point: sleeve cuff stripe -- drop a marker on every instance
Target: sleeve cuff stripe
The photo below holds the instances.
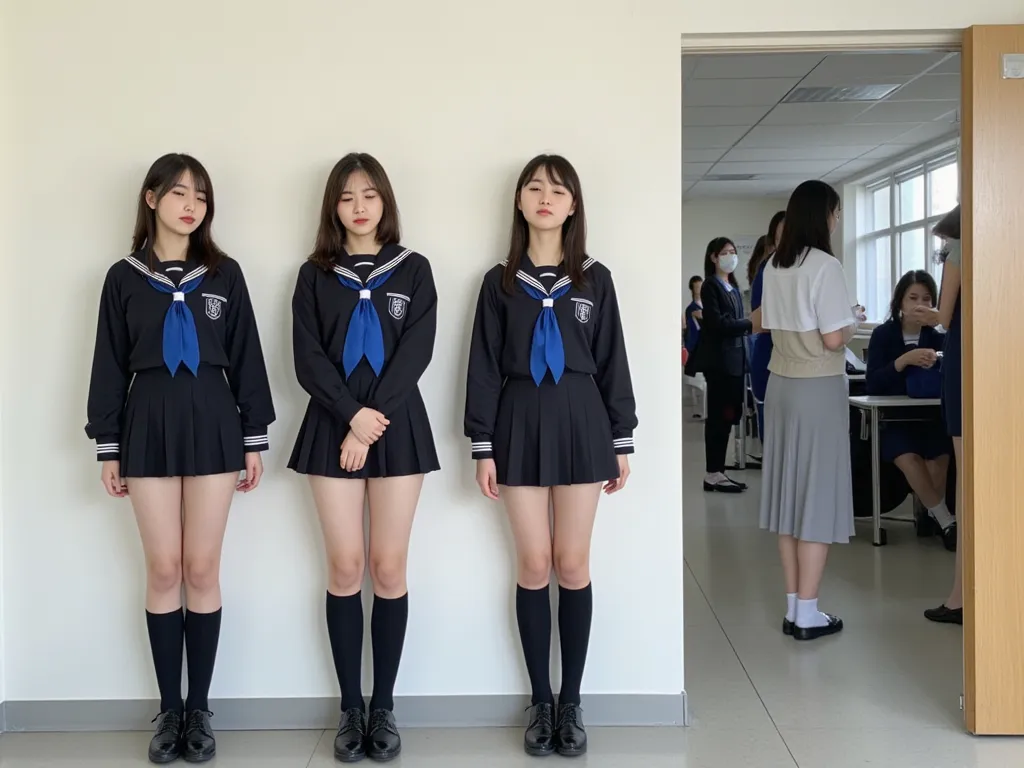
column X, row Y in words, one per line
column 624, row 441
column 110, row 448
column 255, row 439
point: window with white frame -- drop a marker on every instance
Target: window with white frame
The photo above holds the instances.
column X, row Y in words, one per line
column 895, row 216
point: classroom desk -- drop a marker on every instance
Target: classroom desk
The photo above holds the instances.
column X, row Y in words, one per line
column 874, row 405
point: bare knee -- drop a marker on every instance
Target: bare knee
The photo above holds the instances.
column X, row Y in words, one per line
column 388, row 574
column 164, row 574
column 908, row 461
column 345, row 573
column 202, row 574
column 572, row 568
column 535, row 569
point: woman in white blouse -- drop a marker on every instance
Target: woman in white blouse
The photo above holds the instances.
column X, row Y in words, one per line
column 807, row 496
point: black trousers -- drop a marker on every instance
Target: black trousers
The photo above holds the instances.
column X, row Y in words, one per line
column 725, row 409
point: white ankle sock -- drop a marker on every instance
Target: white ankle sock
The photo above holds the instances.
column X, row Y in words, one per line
column 715, row 478
column 791, row 606
column 940, row 513
column 808, row 615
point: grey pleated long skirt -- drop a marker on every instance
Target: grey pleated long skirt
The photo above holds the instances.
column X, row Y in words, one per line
column 806, row 489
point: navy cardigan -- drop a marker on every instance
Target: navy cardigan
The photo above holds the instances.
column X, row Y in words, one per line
column 885, row 346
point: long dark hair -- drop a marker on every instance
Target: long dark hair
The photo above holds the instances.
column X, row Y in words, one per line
column 807, row 214
column 949, row 229
column 330, row 235
column 715, row 247
column 574, row 230
column 756, row 257
column 913, row 277
column 773, row 225
column 160, row 179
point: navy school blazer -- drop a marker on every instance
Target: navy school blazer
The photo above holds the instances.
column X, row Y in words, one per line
column 721, row 347
column 885, row 346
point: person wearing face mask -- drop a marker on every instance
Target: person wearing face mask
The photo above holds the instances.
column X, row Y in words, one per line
column 901, row 349
column 721, row 356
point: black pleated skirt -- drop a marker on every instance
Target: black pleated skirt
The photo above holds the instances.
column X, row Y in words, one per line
column 181, row 426
column 406, row 448
column 554, row 434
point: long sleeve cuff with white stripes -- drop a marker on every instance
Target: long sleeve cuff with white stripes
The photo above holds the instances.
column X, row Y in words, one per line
column 256, row 439
column 108, row 448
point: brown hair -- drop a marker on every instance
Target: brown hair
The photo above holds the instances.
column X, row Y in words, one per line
column 161, row 177
column 807, row 214
column 330, row 235
column 949, row 225
column 574, row 230
column 756, row 257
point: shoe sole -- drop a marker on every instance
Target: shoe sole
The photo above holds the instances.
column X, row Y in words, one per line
column 163, row 759
column 346, row 758
column 816, row 633
column 384, row 757
column 787, row 627
column 538, row 751
column 201, row 757
column 572, row 752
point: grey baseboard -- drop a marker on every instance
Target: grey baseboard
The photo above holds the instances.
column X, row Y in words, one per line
column 287, row 714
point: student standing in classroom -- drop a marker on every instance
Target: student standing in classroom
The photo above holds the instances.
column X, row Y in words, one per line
column 179, row 405
column 761, row 353
column 364, row 315
column 550, row 413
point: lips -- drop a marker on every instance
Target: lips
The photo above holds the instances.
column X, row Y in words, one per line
column 188, row 219
column 544, row 212
column 360, row 222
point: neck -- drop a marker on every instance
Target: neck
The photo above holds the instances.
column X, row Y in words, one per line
column 722, row 275
column 909, row 326
column 362, row 243
column 168, row 245
column 545, row 247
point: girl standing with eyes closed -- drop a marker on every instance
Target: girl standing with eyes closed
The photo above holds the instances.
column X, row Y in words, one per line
column 179, row 405
column 364, row 315
column 550, row 413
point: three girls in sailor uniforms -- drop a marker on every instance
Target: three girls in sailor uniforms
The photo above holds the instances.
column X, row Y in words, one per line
column 364, row 316
column 550, row 413
column 179, row 405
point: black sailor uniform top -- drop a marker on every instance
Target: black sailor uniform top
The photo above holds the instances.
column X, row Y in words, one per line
column 592, row 339
column 129, row 339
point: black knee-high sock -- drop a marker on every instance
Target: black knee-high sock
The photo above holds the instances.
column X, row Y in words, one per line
column 575, row 610
column 533, row 611
column 345, row 628
column 167, row 641
column 387, row 633
column 202, row 631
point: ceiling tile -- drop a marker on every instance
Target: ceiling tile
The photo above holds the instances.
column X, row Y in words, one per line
column 769, row 136
column 839, row 67
column 884, row 152
column 930, row 87
column 722, row 115
column 925, row 133
column 950, row 66
column 751, row 66
column 814, row 114
column 736, row 93
column 695, row 170
column 784, row 167
column 802, row 153
column 823, row 80
column 907, row 111
column 698, row 137
column 689, row 65
column 701, row 155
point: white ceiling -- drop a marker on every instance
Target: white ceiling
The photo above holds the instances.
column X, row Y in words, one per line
column 734, row 121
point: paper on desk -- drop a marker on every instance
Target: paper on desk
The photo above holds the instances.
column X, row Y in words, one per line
column 853, row 360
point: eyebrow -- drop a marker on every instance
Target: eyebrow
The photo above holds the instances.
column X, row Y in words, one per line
column 364, row 189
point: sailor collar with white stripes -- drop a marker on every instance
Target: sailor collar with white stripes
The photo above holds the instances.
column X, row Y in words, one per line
column 390, row 257
column 184, row 271
column 528, row 279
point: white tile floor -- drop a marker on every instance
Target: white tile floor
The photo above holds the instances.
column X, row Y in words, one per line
column 883, row 693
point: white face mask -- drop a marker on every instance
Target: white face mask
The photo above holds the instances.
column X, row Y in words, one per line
column 728, row 262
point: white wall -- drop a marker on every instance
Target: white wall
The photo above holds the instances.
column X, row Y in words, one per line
column 269, row 100
column 6, row 220
column 704, row 219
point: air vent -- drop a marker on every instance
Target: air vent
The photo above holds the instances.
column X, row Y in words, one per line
column 839, row 93
column 730, row 177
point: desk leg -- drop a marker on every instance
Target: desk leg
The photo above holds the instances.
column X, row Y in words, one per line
column 876, row 480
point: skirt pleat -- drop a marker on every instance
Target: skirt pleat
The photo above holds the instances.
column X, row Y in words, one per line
column 806, row 490
column 553, row 434
column 181, row 426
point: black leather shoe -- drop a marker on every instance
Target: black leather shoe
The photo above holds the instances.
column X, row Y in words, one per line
column 725, row 486
column 835, row 624
column 788, row 627
column 944, row 615
column 383, row 742
column 165, row 746
column 198, row 742
column 570, row 737
column 949, row 537
column 350, row 743
column 540, row 733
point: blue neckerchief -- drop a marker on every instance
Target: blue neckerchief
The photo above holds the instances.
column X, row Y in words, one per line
column 547, row 352
column 181, row 341
column 364, row 337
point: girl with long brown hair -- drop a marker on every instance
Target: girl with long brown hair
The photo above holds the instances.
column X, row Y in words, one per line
column 364, row 314
column 550, row 413
column 179, row 405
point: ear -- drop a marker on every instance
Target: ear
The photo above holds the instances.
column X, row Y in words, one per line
column 151, row 199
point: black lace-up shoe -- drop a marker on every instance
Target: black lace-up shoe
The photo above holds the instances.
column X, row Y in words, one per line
column 198, row 742
column 570, row 737
column 350, row 743
column 165, row 746
column 540, row 733
column 383, row 742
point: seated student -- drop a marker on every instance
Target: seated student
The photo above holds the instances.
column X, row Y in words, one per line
column 920, row 449
column 693, row 315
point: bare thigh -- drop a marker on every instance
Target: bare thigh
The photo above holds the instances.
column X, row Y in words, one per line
column 575, row 511
column 207, row 503
column 393, row 503
column 529, row 517
column 157, row 505
column 339, row 505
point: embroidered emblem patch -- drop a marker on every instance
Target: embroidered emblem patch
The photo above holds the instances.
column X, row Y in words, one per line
column 214, row 307
column 582, row 311
column 397, row 305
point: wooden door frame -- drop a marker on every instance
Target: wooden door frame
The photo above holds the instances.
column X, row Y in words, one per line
column 944, row 40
